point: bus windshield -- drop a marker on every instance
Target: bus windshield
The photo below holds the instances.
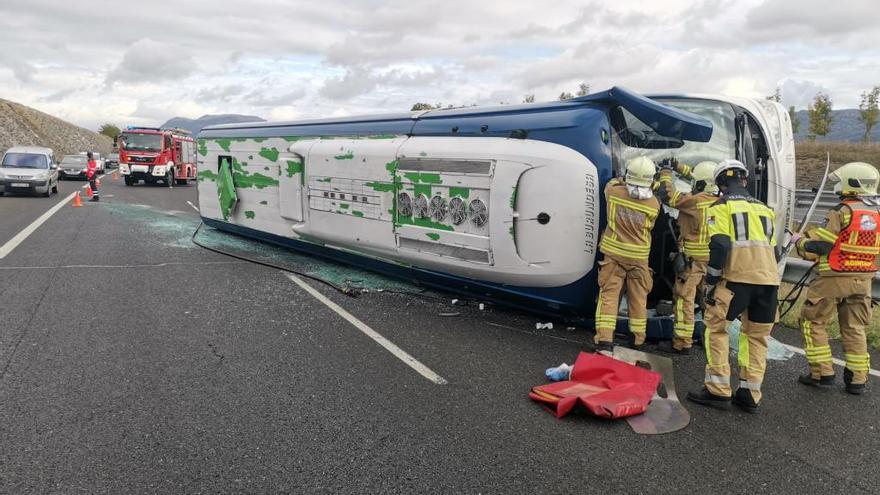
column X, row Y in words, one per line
column 141, row 142
column 720, row 147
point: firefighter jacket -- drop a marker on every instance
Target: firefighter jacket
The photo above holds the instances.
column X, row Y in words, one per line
column 692, row 216
column 627, row 235
column 847, row 243
column 742, row 240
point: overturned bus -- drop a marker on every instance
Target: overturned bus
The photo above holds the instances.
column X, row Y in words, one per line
column 502, row 203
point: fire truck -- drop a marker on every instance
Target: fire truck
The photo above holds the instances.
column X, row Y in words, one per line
column 151, row 154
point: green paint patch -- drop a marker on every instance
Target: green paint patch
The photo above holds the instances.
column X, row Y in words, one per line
column 264, row 202
column 513, row 199
column 345, row 156
column 259, row 139
column 250, row 215
column 391, row 167
column 512, row 232
column 207, row 175
column 296, row 167
column 270, row 154
column 357, row 213
column 422, row 189
column 203, row 147
column 462, row 192
column 293, row 139
column 423, row 177
column 243, row 179
column 423, row 154
column 344, row 206
column 224, row 143
column 382, row 136
column 422, row 222
column 383, row 186
column 433, row 236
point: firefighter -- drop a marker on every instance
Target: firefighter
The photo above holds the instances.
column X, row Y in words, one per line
column 846, row 248
column 742, row 281
column 693, row 242
column 626, row 244
column 92, row 175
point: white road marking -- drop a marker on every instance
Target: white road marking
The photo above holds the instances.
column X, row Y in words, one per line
column 156, row 265
column 194, row 207
column 387, row 344
column 839, row 362
column 27, row 231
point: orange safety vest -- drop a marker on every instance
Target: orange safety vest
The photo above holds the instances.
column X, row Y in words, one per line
column 857, row 244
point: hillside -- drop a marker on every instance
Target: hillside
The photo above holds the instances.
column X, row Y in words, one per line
column 195, row 125
column 810, row 158
column 846, row 126
column 21, row 125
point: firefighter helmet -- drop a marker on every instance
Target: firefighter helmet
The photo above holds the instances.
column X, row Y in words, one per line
column 855, row 179
column 704, row 177
column 640, row 171
column 728, row 169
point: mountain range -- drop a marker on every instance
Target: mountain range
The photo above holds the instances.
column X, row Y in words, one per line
column 196, row 125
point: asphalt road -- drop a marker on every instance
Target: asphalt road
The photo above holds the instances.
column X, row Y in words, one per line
column 133, row 361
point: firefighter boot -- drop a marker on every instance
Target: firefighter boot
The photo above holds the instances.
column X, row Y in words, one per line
column 706, row 398
column 667, row 347
column 823, row 381
column 853, row 388
column 743, row 399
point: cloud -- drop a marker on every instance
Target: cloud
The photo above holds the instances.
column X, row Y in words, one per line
column 152, row 61
column 261, row 99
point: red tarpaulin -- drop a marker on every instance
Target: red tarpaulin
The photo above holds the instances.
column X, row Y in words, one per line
column 607, row 387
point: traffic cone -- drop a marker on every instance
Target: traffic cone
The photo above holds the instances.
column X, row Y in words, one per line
column 89, row 191
column 77, row 200
column 115, row 175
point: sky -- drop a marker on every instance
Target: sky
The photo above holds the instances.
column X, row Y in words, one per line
column 92, row 61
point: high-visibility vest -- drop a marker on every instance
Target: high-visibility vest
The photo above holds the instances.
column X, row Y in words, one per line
column 857, row 245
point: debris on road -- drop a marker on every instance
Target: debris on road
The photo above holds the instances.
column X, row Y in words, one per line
column 543, row 326
column 606, row 387
column 776, row 350
column 558, row 373
column 451, row 313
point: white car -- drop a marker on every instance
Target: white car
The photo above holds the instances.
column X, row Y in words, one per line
column 102, row 167
column 29, row 169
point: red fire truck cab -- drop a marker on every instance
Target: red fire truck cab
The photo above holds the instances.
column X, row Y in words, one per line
column 151, row 154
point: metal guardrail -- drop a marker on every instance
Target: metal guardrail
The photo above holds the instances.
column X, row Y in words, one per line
column 804, row 198
column 796, row 268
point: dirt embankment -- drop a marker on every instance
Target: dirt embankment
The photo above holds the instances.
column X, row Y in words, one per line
column 24, row 126
column 810, row 158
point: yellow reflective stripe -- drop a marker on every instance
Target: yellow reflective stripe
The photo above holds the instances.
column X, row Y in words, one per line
column 673, row 201
column 824, row 234
column 858, row 362
column 633, row 205
column 612, row 218
column 638, row 325
column 853, row 248
column 624, row 248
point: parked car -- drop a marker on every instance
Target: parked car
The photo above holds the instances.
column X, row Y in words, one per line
column 29, row 169
column 73, row 167
column 112, row 160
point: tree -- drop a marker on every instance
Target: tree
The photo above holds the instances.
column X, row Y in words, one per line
column 565, row 95
column 110, row 130
column 583, row 89
column 820, row 116
column 529, row 98
column 869, row 111
column 795, row 122
column 776, row 96
column 423, row 106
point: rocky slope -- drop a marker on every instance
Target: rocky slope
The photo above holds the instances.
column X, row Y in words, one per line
column 21, row 125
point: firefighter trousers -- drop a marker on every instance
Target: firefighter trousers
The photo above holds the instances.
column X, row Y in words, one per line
column 850, row 297
column 755, row 305
column 686, row 286
column 614, row 274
